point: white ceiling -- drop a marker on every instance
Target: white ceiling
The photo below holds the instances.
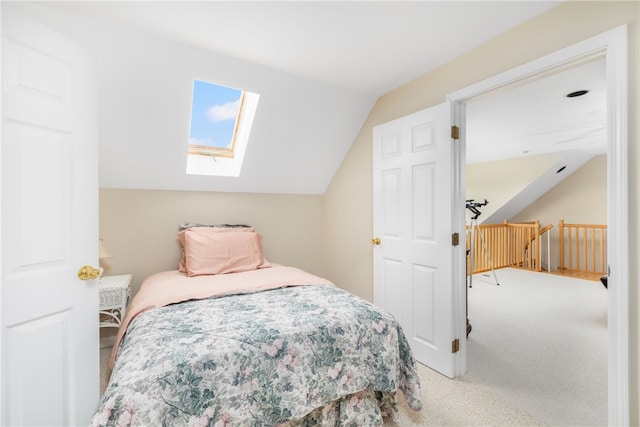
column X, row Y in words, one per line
column 370, row 47
column 538, row 118
column 350, row 52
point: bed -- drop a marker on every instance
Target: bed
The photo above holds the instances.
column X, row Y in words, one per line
column 265, row 346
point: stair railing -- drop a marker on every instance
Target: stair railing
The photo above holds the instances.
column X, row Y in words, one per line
column 509, row 245
column 583, row 248
column 536, row 245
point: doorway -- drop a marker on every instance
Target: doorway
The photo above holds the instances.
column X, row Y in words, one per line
column 517, row 141
column 613, row 46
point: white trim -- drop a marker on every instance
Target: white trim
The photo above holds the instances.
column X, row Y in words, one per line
column 613, row 45
column 2, row 392
column 458, row 158
column 618, row 227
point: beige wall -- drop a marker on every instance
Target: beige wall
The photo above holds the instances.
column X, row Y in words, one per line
column 348, row 200
column 139, row 226
column 580, row 199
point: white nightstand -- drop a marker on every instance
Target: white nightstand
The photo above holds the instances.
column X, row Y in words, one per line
column 115, row 292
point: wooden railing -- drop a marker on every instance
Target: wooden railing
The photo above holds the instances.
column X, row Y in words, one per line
column 583, row 248
column 507, row 245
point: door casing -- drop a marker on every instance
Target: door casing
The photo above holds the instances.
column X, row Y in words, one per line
column 613, row 46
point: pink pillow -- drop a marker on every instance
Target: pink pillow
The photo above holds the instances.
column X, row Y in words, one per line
column 206, row 229
column 210, row 252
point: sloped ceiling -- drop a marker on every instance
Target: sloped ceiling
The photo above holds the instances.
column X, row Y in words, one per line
column 318, row 66
column 514, row 184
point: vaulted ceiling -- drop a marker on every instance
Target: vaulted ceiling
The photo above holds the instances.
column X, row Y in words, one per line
column 319, row 67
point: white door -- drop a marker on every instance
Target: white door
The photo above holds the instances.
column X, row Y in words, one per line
column 412, row 172
column 50, row 359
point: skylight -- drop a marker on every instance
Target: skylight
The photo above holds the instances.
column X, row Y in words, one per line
column 221, row 119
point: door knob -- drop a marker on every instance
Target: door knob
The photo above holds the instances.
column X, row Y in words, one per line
column 87, row 272
column 375, row 241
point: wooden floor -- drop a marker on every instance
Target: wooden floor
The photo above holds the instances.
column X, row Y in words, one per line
column 567, row 273
column 578, row 274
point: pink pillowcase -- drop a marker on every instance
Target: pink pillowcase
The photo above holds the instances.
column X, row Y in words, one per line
column 182, row 264
column 212, row 251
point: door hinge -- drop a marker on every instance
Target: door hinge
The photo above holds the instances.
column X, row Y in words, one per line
column 455, row 132
column 455, row 345
column 455, row 239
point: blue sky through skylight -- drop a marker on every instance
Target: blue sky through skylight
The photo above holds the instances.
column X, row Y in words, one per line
column 214, row 111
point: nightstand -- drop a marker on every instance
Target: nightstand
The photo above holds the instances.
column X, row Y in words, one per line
column 115, row 292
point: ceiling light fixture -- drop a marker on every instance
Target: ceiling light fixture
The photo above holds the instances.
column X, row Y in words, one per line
column 577, row 93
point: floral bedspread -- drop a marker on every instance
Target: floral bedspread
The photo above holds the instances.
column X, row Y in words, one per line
column 296, row 356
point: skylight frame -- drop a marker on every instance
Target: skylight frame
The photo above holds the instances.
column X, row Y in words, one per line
column 206, row 150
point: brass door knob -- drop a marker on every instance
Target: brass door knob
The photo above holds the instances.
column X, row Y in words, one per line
column 87, row 272
column 375, row 241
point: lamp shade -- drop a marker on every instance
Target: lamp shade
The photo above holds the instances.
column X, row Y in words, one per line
column 103, row 252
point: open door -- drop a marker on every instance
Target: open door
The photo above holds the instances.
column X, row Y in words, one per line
column 49, row 199
column 412, row 220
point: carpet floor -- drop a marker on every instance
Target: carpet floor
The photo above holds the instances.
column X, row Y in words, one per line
column 540, row 342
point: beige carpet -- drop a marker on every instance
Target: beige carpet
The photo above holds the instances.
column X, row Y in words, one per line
column 539, row 341
column 459, row 402
column 105, row 372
